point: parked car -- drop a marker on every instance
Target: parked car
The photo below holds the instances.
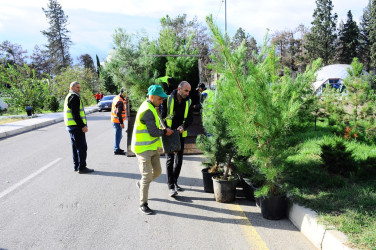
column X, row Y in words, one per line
column 106, row 103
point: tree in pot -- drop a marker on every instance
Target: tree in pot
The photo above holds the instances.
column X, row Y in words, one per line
column 218, row 146
column 265, row 110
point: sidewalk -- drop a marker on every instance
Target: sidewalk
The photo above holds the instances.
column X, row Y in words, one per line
column 34, row 122
column 304, row 219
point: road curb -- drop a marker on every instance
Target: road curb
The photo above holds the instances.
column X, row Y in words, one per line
column 305, row 220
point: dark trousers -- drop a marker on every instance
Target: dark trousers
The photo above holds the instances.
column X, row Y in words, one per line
column 173, row 164
column 79, row 148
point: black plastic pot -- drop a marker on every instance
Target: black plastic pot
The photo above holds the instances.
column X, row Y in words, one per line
column 248, row 190
column 224, row 191
column 207, row 179
column 274, row 207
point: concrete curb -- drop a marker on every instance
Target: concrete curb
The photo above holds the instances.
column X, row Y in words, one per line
column 305, row 220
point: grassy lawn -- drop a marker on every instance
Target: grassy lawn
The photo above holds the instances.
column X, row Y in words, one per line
column 347, row 204
column 13, row 119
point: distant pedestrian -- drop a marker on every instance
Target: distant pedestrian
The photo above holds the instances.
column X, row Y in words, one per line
column 97, row 97
column 177, row 111
column 146, row 141
column 101, row 96
column 118, row 115
column 75, row 120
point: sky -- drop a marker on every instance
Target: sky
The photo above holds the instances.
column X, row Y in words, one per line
column 92, row 23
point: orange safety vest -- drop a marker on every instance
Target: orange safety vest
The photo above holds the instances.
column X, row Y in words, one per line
column 114, row 117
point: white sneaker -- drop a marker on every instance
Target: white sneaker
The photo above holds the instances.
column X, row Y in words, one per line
column 173, row 192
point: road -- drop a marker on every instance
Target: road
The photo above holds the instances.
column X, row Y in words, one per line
column 44, row 204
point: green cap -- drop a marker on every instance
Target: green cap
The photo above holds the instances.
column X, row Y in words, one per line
column 156, row 90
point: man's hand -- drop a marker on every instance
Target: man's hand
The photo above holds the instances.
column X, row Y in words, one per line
column 180, row 129
column 85, row 129
column 169, row 132
column 122, row 125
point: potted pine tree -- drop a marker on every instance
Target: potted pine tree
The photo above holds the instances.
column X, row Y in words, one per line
column 218, row 146
column 265, row 110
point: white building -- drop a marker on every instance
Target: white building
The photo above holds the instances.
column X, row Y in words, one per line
column 334, row 75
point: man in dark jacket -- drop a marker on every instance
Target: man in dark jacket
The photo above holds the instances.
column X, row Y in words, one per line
column 75, row 120
column 177, row 112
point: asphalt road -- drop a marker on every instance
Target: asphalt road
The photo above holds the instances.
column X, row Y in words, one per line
column 44, row 204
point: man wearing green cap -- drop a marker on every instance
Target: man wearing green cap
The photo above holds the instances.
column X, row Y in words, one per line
column 146, row 141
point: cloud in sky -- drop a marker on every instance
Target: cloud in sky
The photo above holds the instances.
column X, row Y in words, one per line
column 92, row 23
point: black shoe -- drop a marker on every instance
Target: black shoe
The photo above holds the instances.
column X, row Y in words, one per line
column 173, row 192
column 138, row 184
column 119, row 152
column 145, row 209
column 178, row 188
column 75, row 169
column 85, row 170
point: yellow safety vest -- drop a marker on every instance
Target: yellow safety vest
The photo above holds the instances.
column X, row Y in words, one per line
column 68, row 117
column 114, row 117
column 170, row 112
column 141, row 139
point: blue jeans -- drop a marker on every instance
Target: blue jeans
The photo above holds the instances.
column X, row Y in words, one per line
column 118, row 135
column 79, row 148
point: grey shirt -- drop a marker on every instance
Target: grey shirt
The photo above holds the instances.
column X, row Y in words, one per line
column 149, row 120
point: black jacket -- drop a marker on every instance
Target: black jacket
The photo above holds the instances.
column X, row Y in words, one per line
column 179, row 109
column 74, row 104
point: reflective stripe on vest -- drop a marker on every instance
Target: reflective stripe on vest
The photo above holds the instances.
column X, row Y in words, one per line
column 114, row 117
column 68, row 117
column 141, row 139
column 170, row 112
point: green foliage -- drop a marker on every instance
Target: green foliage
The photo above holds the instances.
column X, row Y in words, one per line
column 177, row 37
column 348, row 40
column 57, row 36
column 337, row 159
column 321, row 40
column 372, row 32
column 217, row 144
column 21, row 87
column 132, row 65
column 107, row 82
column 264, row 107
column 364, row 38
column 52, row 103
column 86, row 77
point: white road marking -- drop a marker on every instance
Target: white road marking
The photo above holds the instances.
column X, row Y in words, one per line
column 23, row 181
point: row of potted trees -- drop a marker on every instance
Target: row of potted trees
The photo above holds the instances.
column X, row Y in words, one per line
column 250, row 118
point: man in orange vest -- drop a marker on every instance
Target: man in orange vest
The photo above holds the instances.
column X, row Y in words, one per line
column 118, row 115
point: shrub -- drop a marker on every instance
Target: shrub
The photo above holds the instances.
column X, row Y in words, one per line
column 53, row 103
column 338, row 159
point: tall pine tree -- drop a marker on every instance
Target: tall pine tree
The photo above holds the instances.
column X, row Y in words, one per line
column 372, row 33
column 57, row 35
column 364, row 39
column 321, row 39
column 348, row 40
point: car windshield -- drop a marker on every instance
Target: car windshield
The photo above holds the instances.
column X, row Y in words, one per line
column 107, row 98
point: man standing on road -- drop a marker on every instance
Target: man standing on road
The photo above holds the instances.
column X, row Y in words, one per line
column 178, row 114
column 75, row 120
column 117, row 118
column 146, row 141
